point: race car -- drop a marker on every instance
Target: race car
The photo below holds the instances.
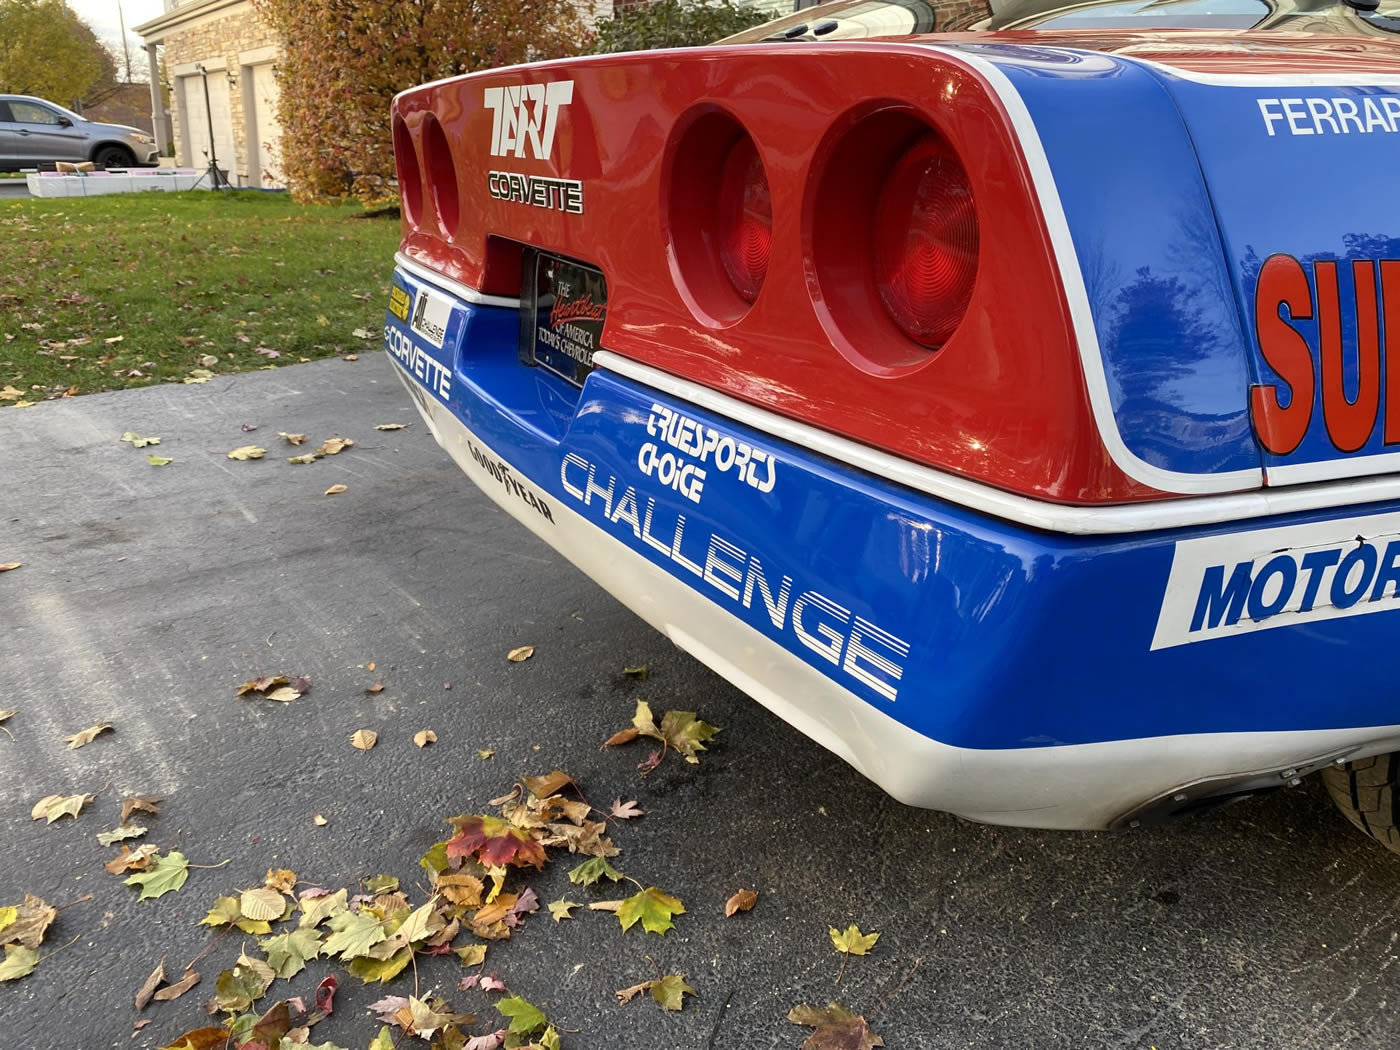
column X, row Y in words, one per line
column 1014, row 411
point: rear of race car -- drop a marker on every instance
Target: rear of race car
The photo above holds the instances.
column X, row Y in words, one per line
column 983, row 408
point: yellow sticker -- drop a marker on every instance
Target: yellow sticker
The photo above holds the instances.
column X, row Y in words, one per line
column 399, row 302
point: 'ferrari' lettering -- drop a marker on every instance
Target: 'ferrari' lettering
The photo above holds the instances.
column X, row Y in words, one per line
column 1324, row 115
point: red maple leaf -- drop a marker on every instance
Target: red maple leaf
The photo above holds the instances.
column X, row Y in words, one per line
column 494, row 841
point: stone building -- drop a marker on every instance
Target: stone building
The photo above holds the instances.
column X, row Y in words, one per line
column 223, row 47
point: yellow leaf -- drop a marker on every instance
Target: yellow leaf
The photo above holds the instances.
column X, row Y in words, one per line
column 561, row 909
column 851, row 941
column 87, row 736
column 247, row 452
column 293, row 439
column 364, row 739
column 319, row 820
column 424, row 737
column 336, row 490
column 521, row 654
column 10, row 566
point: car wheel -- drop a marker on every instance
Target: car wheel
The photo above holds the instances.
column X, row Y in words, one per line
column 1368, row 792
column 114, row 157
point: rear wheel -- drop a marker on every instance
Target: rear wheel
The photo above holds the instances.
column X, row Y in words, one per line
column 114, row 157
column 1368, row 792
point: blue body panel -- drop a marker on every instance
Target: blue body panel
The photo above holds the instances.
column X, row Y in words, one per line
column 969, row 630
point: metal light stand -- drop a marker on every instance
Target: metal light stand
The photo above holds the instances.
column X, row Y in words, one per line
column 213, row 169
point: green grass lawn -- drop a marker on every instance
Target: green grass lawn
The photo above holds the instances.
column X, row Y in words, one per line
column 127, row 290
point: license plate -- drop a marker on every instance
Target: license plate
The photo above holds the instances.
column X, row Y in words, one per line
column 562, row 308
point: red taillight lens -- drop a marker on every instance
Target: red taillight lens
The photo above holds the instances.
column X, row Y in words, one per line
column 926, row 241
column 745, row 219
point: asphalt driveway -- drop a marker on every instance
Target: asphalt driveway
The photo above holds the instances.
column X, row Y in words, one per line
column 147, row 594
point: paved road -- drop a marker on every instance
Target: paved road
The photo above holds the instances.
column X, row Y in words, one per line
column 147, row 594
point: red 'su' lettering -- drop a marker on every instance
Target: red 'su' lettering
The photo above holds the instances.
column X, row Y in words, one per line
column 1280, row 427
column 1349, row 423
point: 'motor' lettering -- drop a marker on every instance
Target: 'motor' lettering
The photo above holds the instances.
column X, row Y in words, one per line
column 1299, row 326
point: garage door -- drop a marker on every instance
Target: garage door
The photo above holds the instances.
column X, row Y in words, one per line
column 196, row 121
column 267, row 130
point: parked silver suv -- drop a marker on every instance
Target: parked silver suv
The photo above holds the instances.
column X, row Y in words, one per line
column 35, row 132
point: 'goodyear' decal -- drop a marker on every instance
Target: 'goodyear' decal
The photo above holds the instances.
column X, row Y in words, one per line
column 1252, row 581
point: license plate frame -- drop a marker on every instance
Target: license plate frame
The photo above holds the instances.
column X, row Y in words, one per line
column 563, row 305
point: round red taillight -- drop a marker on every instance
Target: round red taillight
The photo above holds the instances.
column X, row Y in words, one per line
column 926, row 241
column 744, row 226
column 442, row 175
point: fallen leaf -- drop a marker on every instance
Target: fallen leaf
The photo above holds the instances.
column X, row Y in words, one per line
column 158, row 461
column 353, row 935
column 364, row 739
column 639, row 672
column 287, row 952
column 670, row 991
column 472, row 955
column 292, row 439
column 126, row 831
column 484, row 753
column 283, row 694
column 143, row 803
column 626, row 995
column 653, row 908
column 240, row 987
column 263, row 904
column 520, row 654
column 247, row 452
column 149, row 986
column 87, row 736
column 626, row 810
column 138, row 859
column 362, row 333
column 207, row 360
column 545, row 786
column 744, row 900
column 114, row 339
column 561, row 909
column 10, row 566
column 319, row 820
column 141, row 1024
column 624, row 736
column 335, row 490
column 9, row 712
column 424, row 737
column 851, row 941
column 333, row 446
column 650, row 763
column 165, row 875
column 836, row 1028
column 494, row 841
column 489, row 1041
column 51, row 807
column 248, row 428
column 30, row 921
column 391, row 426
column 202, row 1039
column 19, row 962
column 280, row 879
column 310, row 457
column 385, row 1009
column 525, row 1018
column 198, row 375
column 137, row 441
column 590, row 871
column 179, row 988
column 352, row 357
column 316, row 910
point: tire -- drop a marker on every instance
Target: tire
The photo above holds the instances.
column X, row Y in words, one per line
column 1368, row 792
column 114, row 157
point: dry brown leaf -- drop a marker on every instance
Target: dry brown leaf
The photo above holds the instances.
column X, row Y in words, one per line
column 87, row 736
column 520, row 654
column 331, row 446
column 129, row 859
column 263, row 904
column 292, row 439
column 144, row 803
column 391, row 426
column 424, row 737
column 319, row 820
column 624, row 736
column 376, row 689
column 364, row 739
column 280, row 879
column 179, row 988
column 370, row 666
column 51, row 807
column 484, row 753
column 744, row 900
column 310, row 457
column 149, row 986
column 606, row 905
column 335, row 490
column 10, row 566
column 626, row 995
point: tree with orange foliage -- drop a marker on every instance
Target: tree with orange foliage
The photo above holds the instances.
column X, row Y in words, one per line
column 343, row 61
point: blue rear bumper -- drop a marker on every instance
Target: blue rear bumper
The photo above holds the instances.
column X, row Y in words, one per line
column 952, row 630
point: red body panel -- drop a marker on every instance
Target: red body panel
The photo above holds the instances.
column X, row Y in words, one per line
column 1003, row 401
